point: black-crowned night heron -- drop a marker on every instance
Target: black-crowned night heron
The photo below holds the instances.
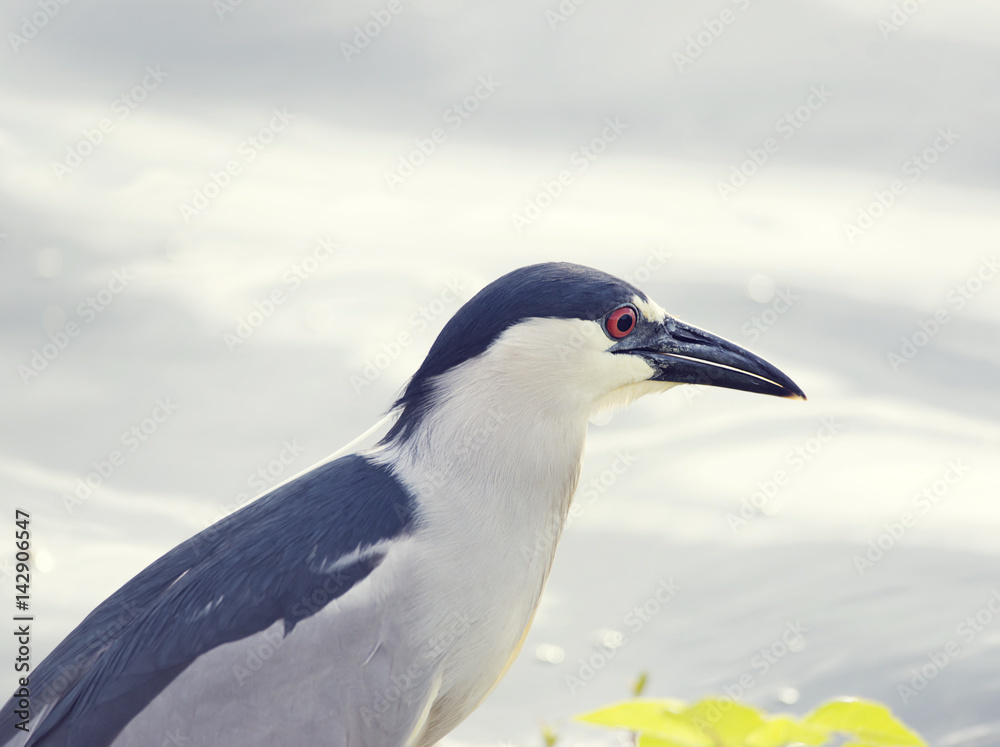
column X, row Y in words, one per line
column 379, row 597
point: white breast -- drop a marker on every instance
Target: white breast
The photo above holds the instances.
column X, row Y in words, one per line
column 493, row 466
column 477, row 591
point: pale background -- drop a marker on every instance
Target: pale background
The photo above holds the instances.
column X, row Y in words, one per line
column 649, row 208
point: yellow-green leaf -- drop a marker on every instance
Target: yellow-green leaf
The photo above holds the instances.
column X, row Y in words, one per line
column 640, row 684
column 727, row 722
column 780, row 730
column 659, row 719
column 870, row 723
column 549, row 736
column 647, row 741
column 632, row 712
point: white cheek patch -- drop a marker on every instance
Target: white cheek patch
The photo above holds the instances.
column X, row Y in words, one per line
column 651, row 310
column 565, row 338
column 556, row 359
column 588, row 334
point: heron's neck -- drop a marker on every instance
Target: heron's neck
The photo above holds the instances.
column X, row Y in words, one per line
column 494, row 458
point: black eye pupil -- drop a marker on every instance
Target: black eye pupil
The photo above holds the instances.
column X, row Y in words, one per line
column 624, row 323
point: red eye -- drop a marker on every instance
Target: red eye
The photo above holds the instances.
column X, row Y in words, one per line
column 620, row 322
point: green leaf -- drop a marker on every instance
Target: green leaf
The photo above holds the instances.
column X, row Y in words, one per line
column 640, row 684
column 728, row 723
column 656, row 719
column 872, row 724
column 721, row 722
column 630, row 713
column 647, row 741
column 780, row 730
column 549, row 736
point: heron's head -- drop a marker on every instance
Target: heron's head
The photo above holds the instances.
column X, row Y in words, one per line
column 559, row 338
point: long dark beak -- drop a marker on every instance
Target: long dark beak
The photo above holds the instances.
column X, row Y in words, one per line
column 688, row 355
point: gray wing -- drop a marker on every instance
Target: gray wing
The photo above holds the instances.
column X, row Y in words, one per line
column 269, row 574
